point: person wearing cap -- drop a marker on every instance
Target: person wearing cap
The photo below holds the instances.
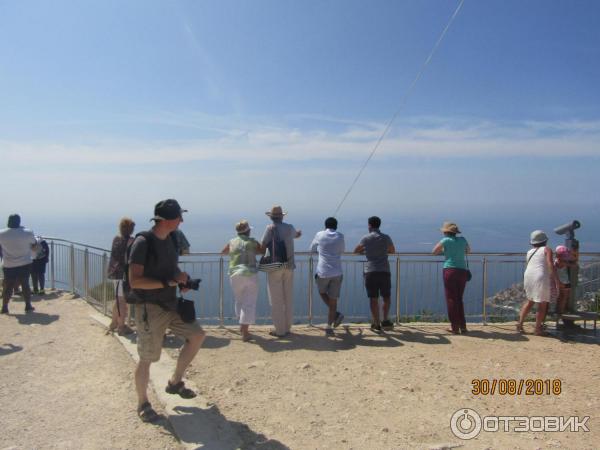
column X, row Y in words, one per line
column 329, row 244
column 243, row 275
column 154, row 276
column 116, row 273
column 16, row 244
column 376, row 246
column 280, row 282
column 538, row 280
column 563, row 262
column 454, row 248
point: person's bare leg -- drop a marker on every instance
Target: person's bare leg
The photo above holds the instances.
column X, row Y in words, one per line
column 386, row 307
column 142, row 375
column 122, row 313
column 564, row 294
column 325, row 299
column 374, row 303
column 332, row 311
column 523, row 314
column 540, row 315
column 186, row 355
column 245, row 332
column 332, row 307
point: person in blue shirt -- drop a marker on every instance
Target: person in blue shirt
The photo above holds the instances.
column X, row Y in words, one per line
column 454, row 249
column 330, row 245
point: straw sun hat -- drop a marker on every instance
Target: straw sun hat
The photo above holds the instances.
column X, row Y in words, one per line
column 276, row 211
column 450, row 227
column 242, row 226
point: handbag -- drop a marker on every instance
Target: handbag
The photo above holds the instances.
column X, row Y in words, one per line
column 469, row 274
column 277, row 257
column 186, row 310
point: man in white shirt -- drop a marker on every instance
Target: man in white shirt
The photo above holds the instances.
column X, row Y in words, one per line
column 330, row 245
column 16, row 243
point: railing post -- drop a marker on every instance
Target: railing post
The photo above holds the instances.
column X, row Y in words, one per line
column 484, row 293
column 104, row 282
column 72, row 269
column 310, row 290
column 397, row 289
column 86, row 273
column 52, row 263
column 221, row 293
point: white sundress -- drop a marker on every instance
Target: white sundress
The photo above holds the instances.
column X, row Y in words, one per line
column 537, row 278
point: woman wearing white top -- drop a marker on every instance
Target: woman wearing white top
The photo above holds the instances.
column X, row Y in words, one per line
column 539, row 278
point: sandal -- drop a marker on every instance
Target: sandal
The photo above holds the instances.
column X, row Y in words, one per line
column 125, row 330
column 147, row 413
column 520, row 328
column 450, row 330
column 179, row 388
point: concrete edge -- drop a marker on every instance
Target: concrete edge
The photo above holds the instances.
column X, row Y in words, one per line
column 196, row 422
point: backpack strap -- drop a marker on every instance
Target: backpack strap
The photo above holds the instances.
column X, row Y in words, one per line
column 529, row 259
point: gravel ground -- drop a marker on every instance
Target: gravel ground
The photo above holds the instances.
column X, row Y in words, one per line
column 67, row 385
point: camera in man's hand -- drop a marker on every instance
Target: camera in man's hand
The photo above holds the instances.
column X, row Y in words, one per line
column 191, row 283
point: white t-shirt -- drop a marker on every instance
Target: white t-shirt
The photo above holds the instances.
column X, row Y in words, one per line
column 16, row 246
column 330, row 245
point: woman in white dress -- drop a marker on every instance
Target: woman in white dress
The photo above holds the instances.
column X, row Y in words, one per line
column 539, row 278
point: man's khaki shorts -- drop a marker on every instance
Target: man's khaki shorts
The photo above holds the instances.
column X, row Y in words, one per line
column 150, row 332
column 330, row 286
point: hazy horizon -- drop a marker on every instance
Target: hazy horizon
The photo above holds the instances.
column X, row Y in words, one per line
column 208, row 233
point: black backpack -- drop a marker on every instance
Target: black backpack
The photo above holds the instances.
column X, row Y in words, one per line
column 277, row 257
column 128, row 293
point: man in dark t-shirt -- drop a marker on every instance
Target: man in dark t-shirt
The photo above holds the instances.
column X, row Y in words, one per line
column 376, row 246
column 154, row 277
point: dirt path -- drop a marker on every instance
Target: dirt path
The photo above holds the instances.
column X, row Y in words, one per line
column 66, row 385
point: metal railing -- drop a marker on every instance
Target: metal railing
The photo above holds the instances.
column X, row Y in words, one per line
column 493, row 294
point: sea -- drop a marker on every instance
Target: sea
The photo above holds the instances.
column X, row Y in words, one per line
column 485, row 233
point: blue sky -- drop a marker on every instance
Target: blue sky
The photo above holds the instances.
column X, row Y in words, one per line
column 232, row 106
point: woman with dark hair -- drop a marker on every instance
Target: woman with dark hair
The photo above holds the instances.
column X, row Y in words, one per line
column 539, row 277
column 456, row 273
column 116, row 272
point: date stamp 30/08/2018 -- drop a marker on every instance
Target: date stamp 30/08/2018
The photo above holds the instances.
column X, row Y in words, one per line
column 511, row 386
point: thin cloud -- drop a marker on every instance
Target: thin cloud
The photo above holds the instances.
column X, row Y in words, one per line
column 277, row 143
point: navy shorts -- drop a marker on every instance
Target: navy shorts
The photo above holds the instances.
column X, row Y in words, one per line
column 378, row 284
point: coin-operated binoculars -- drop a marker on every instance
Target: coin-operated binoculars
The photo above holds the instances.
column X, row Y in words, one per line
column 568, row 230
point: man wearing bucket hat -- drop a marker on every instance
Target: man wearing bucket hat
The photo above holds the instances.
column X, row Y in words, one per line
column 456, row 274
column 280, row 282
column 243, row 275
column 154, row 276
column 538, row 279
